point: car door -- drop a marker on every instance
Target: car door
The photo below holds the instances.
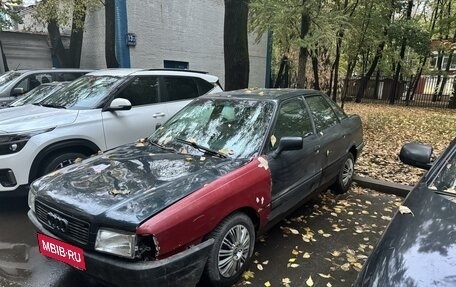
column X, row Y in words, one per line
column 331, row 136
column 295, row 174
column 141, row 120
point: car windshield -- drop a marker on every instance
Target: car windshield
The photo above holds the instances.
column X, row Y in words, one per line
column 227, row 127
column 84, row 93
column 445, row 180
column 7, row 78
column 36, row 95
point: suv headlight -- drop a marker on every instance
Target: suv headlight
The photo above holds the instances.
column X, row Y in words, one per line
column 31, row 198
column 116, row 242
column 12, row 143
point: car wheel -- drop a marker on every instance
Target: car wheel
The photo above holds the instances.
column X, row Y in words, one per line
column 345, row 177
column 231, row 252
column 61, row 160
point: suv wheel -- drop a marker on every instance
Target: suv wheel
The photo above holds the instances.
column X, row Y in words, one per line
column 61, row 160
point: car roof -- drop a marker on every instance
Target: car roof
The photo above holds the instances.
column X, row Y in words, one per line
column 122, row 72
column 53, row 70
column 264, row 94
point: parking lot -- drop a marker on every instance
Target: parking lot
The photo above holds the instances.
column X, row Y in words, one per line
column 326, row 240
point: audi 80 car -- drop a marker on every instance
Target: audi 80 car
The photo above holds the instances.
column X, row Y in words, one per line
column 419, row 246
column 188, row 202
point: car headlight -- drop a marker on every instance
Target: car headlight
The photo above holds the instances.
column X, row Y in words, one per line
column 31, row 198
column 12, row 143
column 116, row 242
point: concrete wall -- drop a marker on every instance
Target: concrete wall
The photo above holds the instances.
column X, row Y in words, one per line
column 26, row 50
column 185, row 30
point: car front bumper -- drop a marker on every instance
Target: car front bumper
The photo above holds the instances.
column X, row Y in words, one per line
column 182, row 269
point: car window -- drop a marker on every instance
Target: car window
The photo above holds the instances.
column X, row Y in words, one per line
column 180, row 88
column 141, row 91
column 339, row 112
column 293, row 120
column 233, row 127
column 6, row 79
column 203, row 86
column 322, row 113
column 33, row 81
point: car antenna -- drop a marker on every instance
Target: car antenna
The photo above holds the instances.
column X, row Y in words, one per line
column 17, row 67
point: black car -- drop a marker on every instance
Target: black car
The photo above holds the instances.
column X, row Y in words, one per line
column 188, row 202
column 419, row 246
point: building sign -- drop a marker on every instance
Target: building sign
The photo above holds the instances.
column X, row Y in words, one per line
column 131, row 39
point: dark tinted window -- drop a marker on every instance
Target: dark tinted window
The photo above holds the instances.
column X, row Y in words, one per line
column 141, row 91
column 203, row 86
column 180, row 88
column 322, row 113
column 292, row 121
column 34, row 80
column 339, row 112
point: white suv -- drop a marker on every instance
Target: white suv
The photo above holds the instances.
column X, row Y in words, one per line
column 98, row 111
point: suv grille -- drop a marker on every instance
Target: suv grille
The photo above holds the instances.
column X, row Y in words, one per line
column 77, row 230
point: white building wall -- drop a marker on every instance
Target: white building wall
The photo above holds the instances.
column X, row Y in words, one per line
column 185, row 30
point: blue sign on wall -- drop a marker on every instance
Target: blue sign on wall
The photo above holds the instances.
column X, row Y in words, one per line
column 131, row 39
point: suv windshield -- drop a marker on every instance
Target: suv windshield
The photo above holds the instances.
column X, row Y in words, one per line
column 445, row 180
column 36, row 95
column 8, row 77
column 84, row 93
column 234, row 128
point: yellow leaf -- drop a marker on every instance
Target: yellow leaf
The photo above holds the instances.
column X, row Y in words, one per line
column 405, row 210
column 260, row 267
column 267, row 284
column 291, row 260
column 286, row 281
column 294, row 265
column 335, row 253
column 248, row 274
column 345, row 267
column 328, row 284
column 292, row 230
column 324, row 275
column 310, row 282
column 306, row 255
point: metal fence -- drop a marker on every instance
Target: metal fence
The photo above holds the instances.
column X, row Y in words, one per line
column 428, row 91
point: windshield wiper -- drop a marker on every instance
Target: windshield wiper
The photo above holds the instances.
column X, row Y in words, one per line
column 201, row 148
column 53, row 106
column 160, row 146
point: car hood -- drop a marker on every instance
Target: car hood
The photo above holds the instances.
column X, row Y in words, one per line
column 417, row 249
column 127, row 185
column 30, row 118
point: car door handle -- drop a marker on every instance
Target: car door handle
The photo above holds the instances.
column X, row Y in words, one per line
column 158, row 115
column 317, row 149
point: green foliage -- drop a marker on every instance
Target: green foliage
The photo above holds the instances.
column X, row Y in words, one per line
column 62, row 11
column 9, row 12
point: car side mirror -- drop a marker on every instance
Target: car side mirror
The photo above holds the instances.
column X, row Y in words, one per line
column 416, row 154
column 288, row 143
column 119, row 104
column 18, row 91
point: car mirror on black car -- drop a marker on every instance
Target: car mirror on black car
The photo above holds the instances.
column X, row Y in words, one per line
column 416, row 154
column 288, row 143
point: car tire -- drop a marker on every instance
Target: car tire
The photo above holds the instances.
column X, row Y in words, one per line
column 61, row 160
column 345, row 176
column 238, row 230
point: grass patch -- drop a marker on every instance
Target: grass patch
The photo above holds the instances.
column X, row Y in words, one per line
column 387, row 128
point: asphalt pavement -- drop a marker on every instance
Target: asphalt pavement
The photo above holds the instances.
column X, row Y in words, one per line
column 323, row 243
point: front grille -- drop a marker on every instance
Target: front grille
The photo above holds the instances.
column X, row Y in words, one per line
column 78, row 230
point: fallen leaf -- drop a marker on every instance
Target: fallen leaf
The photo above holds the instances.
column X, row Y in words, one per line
column 310, row 282
column 405, row 210
column 260, row 267
column 248, row 274
column 345, row 267
column 267, row 284
column 324, row 275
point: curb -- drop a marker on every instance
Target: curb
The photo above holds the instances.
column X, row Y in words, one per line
column 383, row 186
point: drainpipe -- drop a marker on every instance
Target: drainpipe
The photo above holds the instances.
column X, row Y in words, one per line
column 122, row 50
column 267, row 81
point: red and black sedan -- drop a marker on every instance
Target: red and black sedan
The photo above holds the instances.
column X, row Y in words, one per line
column 187, row 203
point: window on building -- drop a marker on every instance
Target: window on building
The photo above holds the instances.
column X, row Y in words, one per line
column 168, row 64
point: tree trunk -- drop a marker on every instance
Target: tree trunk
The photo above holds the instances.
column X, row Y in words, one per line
column 236, row 48
column 365, row 79
column 5, row 62
column 281, row 76
column 303, row 52
column 77, row 34
column 336, row 64
column 57, row 45
column 393, row 93
column 316, row 84
column 110, row 35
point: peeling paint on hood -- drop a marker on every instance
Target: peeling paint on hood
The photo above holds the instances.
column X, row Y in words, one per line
column 129, row 184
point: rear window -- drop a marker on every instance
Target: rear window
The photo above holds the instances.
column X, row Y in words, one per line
column 180, row 88
column 203, row 86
